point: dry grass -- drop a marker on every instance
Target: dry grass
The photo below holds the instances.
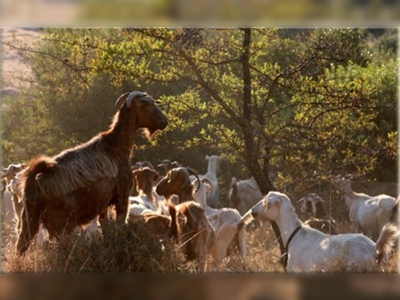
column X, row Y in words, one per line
column 128, row 249
column 121, row 249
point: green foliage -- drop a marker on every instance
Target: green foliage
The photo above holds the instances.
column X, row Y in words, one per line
column 322, row 101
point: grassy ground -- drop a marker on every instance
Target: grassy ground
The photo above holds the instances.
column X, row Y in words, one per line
column 130, row 249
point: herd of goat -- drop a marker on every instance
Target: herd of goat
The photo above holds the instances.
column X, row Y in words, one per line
column 50, row 196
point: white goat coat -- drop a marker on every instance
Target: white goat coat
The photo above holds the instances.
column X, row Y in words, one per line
column 313, row 251
column 222, row 218
column 211, row 175
column 248, row 194
column 370, row 213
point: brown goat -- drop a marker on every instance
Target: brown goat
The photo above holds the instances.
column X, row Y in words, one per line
column 177, row 182
column 314, row 204
column 137, row 166
column 194, row 231
column 72, row 188
column 145, row 178
column 156, row 224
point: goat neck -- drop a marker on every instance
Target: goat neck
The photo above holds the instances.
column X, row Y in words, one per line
column 129, row 119
column 146, row 189
column 200, row 196
column 287, row 222
column 212, row 168
column 320, row 212
column 345, row 188
column 118, row 133
column 349, row 195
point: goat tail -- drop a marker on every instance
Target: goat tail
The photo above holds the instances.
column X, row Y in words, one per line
column 30, row 184
column 385, row 242
column 31, row 213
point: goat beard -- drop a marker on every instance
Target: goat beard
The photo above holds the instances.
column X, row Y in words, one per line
column 148, row 133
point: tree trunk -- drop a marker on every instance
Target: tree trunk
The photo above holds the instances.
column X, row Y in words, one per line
column 251, row 156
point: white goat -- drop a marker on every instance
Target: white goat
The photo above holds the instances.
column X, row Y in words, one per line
column 244, row 194
column 370, row 213
column 10, row 218
column 221, row 216
column 11, row 211
column 214, row 162
column 309, row 250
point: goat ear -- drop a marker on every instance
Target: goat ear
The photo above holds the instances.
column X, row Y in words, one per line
column 205, row 180
column 156, row 176
column 271, row 201
column 173, row 175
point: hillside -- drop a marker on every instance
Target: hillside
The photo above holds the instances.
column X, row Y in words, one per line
column 15, row 70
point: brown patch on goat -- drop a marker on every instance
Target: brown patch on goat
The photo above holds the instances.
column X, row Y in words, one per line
column 156, row 224
column 72, row 188
column 194, row 231
column 177, row 182
column 145, row 178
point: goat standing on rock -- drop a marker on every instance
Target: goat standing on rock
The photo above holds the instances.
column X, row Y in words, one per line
column 72, row 188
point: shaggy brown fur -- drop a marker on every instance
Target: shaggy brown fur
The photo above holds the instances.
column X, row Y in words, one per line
column 157, row 225
column 177, row 182
column 194, row 231
column 137, row 166
column 72, row 188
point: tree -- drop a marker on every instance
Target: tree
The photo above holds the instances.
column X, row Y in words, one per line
column 289, row 107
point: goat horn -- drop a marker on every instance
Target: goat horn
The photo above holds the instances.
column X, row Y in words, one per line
column 133, row 95
column 121, row 100
column 127, row 98
column 192, row 172
column 304, row 199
